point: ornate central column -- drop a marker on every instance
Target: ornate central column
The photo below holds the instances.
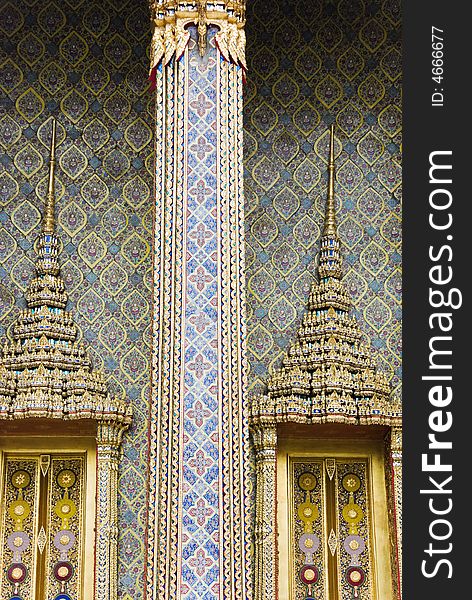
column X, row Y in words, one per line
column 198, row 546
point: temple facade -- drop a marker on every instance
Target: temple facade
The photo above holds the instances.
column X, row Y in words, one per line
column 200, row 300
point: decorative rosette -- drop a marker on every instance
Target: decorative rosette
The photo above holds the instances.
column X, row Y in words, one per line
column 354, row 544
column 18, row 541
column 308, row 542
column 64, row 540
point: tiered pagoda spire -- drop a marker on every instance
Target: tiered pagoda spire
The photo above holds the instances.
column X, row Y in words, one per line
column 44, row 371
column 328, row 374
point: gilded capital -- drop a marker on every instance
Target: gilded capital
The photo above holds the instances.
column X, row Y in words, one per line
column 265, row 439
column 170, row 35
column 396, row 440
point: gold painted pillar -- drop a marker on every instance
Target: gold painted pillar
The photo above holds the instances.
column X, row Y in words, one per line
column 109, row 436
column 396, row 449
column 265, row 530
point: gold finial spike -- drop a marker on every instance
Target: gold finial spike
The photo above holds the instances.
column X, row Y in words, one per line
column 202, row 26
column 49, row 217
column 330, row 216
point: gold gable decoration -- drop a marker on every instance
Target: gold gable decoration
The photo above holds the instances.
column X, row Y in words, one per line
column 44, row 371
column 328, row 374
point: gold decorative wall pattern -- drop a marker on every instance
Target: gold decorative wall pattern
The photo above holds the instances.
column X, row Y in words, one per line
column 309, row 530
column 331, row 546
column 64, row 567
column 355, row 578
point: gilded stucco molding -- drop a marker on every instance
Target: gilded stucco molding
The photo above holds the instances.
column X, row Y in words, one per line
column 109, row 436
column 46, row 373
column 170, row 21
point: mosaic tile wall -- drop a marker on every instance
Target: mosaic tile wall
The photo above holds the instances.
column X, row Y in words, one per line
column 312, row 62
column 86, row 63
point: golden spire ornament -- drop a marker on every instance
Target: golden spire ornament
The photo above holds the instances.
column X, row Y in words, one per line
column 45, row 371
column 330, row 215
column 328, row 375
column 49, row 210
column 330, row 263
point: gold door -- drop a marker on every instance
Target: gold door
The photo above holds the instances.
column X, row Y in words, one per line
column 43, row 525
column 333, row 537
